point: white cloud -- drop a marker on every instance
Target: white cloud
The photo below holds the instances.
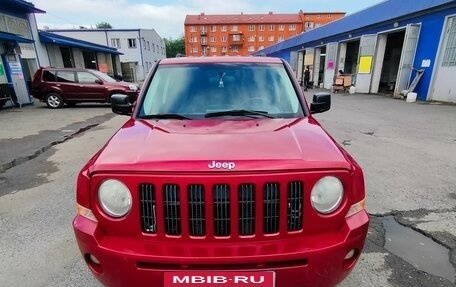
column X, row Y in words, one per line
column 167, row 20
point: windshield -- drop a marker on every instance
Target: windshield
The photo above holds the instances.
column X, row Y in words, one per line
column 105, row 77
column 198, row 90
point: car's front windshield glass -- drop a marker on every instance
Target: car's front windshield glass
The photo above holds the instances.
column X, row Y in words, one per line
column 105, row 77
column 213, row 90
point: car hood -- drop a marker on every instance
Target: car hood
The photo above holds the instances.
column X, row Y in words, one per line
column 198, row 145
column 121, row 83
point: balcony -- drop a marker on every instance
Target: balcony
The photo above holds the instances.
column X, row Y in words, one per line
column 236, row 39
column 203, row 33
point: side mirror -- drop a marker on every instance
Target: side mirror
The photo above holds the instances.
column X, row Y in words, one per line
column 120, row 104
column 321, row 102
column 98, row 81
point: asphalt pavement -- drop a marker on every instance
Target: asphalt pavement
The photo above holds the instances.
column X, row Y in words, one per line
column 407, row 151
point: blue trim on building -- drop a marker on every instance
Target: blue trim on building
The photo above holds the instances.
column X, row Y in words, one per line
column 374, row 15
column 13, row 38
column 20, row 7
column 50, row 38
column 430, row 14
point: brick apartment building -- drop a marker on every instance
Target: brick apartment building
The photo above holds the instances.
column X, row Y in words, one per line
column 243, row 34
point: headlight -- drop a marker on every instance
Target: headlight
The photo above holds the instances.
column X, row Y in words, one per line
column 133, row 87
column 327, row 194
column 114, row 198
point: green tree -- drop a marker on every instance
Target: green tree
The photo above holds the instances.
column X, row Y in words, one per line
column 175, row 47
column 104, row 25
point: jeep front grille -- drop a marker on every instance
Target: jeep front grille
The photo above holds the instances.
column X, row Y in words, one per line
column 222, row 210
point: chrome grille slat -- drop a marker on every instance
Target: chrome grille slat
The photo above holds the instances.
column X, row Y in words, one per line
column 246, row 209
column 148, row 204
column 271, row 196
column 222, row 218
column 295, row 202
column 196, row 209
column 171, row 204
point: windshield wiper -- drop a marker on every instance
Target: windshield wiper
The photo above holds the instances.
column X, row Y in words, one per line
column 238, row 113
column 164, row 116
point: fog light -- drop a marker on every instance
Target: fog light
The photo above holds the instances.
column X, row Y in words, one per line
column 94, row 259
column 350, row 254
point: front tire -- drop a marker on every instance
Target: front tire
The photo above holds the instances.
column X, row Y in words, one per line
column 54, row 101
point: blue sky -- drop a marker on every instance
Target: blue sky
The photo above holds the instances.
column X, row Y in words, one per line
column 167, row 16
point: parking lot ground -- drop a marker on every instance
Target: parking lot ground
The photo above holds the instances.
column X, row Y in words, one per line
column 407, row 151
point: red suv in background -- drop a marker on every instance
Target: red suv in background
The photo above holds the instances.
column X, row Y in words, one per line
column 56, row 86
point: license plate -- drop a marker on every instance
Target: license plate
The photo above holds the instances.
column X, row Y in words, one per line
column 219, row 279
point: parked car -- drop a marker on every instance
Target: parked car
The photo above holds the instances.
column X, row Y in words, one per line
column 227, row 180
column 56, row 86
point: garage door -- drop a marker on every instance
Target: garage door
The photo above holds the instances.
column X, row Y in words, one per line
column 444, row 88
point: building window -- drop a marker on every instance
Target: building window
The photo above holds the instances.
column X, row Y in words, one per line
column 251, row 27
column 132, row 43
column 449, row 55
column 261, row 38
column 148, row 46
column 213, row 39
column 224, row 49
column 144, row 44
column 260, row 48
column 261, row 27
column 235, row 49
column 271, row 27
column 192, row 29
column 271, row 38
column 281, row 27
column 292, row 27
column 194, row 50
column 318, row 15
column 309, row 25
column 193, row 39
column 213, row 28
column 214, row 49
column 153, row 47
column 234, row 27
column 224, row 39
column 237, row 37
column 251, row 38
column 115, row 42
column 329, row 15
column 251, row 48
column 223, row 28
column 281, row 38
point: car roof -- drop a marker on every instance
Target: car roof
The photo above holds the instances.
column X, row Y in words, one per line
column 221, row 59
column 66, row 69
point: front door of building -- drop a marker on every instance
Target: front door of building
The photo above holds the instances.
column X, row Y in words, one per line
column 407, row 58
column 444, row 88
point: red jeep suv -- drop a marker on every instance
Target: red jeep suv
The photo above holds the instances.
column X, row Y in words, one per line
column 56, row 86
column 228, row 180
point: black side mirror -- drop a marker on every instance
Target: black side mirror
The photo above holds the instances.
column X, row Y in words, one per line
column 120, row 104
column 321, row 102
column 98, row 81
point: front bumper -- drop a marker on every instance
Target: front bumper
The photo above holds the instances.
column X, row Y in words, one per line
column 311, row 260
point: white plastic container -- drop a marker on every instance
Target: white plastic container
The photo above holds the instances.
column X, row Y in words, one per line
column 352, row 90
column 411, row 97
